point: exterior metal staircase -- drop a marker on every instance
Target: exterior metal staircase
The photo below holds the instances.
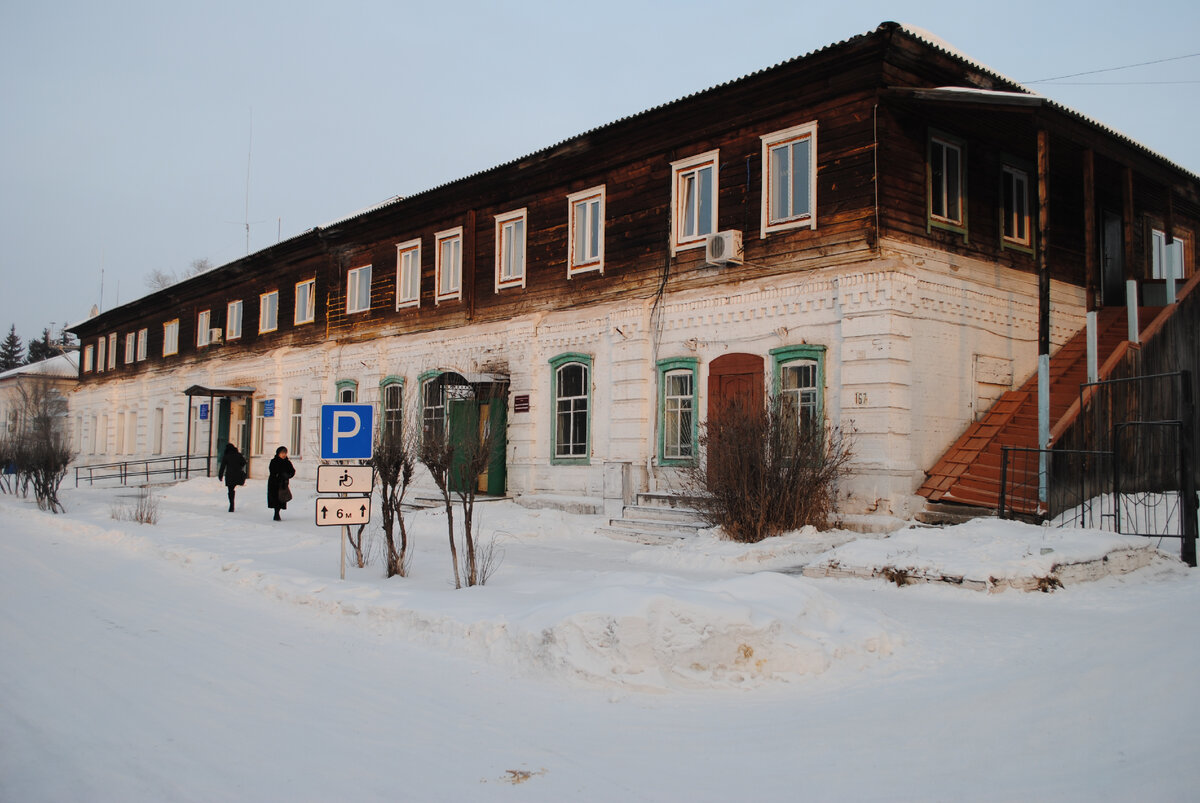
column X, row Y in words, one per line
column 968, row 474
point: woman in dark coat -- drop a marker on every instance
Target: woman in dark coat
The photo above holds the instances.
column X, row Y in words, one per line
column 281, row 470
column 232, row 470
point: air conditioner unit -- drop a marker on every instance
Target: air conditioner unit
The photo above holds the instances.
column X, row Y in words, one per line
column 215, row 335
column 723, row 248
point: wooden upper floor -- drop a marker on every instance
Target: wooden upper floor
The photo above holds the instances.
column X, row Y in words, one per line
column 811, row 161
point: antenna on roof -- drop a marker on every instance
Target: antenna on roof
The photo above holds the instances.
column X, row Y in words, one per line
column 249, row 150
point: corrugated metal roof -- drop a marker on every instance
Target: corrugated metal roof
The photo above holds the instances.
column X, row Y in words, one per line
column 64, row 365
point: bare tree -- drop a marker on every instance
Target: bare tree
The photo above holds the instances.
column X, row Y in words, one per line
column 38, row 449
column 436, row 453
column 395, row 462
column 159, row 279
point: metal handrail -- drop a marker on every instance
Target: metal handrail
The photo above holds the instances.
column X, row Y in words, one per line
column 127, row 471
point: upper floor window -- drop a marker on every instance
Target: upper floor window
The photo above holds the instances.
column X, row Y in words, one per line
column 448, row 264
column 233, row 320
column 171, row 337
column 1168, row 260
column 585, row 237
column 101, row 351
column 130, row 347
column 203, row 334
column 408, row 274
column 947, row 183
column 572, row 392
column 268, row 311
column 510, row 249
column 89, row 355
column 112, row 351
column 1014, row 190
column 306, row 302
column 789, row 195
column 143, row 343
column 693, row 200
column 358, row 289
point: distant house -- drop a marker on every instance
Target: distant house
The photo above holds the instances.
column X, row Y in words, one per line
column 53, row 379
column 859, row 230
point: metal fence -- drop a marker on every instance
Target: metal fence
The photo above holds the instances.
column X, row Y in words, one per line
column 137, row 471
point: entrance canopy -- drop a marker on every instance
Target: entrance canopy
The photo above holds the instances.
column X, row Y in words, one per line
column 212, row 392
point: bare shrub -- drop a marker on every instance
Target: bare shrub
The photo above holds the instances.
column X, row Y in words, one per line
column 144, row 510
column 766, row 470
column 395, row 462
column 37, row 453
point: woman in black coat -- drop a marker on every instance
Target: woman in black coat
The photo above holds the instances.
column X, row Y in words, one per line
column 281, row 470
column 232, row 470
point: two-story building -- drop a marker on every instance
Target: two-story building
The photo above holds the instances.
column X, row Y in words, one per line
column 862, row 229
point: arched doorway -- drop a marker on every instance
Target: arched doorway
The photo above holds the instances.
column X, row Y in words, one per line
column 469, row 410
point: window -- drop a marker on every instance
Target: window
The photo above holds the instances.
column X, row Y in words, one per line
column 358, row 289
column 789, row 195
column 89, row 353
column 946, row 184
column 677, row 411
column 347, row 391
column 297, row 428
column 233, row 320
column 799, row 382
column 393, row 409
column 157, row 445
column 203, row 337
column 260, row 426
column 268, row 311
column 408, row 274
column 1014, row 189
column 100, row 352
column 693, row 200
column 1168, row 260
column 131, row 436
column 306, row 302
column 585, row 238
column 130, row 347
column 433, row 408
column 571, row 390
column 120, row 434
column 448, row 264
column 171, row 337
column 112, row 351
column 510, row 249
column 143, row 345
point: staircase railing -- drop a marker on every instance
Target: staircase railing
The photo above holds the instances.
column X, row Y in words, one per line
column 136, row 471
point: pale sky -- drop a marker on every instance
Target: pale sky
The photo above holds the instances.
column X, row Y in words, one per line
column 126, row 127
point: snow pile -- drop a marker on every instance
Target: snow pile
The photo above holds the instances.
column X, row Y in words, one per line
column 710, row 552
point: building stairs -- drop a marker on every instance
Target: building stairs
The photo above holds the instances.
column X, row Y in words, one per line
column 656, row 518
column 969, row 472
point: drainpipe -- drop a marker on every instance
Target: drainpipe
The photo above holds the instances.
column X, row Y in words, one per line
column 1043, row 167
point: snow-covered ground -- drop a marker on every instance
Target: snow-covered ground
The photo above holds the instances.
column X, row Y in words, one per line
column 217, row 656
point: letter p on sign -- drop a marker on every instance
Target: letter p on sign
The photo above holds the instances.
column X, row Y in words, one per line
column 346, row 431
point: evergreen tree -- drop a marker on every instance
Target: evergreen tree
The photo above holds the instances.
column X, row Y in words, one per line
column 41, row 349
column 12, row 351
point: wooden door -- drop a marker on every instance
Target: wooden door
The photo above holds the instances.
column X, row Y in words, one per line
column 734, row 379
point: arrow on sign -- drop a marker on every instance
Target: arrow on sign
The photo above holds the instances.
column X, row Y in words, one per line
column 324, row 512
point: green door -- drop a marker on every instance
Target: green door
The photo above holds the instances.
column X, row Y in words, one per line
column 462, row 426
column 468, row 423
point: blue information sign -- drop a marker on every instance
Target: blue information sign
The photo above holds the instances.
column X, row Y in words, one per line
column 347, row 431
column 268, row 408
column 204, row 411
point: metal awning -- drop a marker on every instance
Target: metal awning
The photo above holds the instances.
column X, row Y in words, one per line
column 203, row 390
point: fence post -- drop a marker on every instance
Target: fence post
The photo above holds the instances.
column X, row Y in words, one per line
column 1187, row 477
column 1003, row 480
column 1116, row 478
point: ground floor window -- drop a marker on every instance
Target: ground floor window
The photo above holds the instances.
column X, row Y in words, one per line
column 259, row 426
column 393, row 410
column 799, row 382
column 433, row 409
column 297, row 428
column 677, row 410
column 571, row 379
column 347, row 391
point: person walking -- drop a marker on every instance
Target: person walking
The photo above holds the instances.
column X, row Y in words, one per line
column 281, row 470
column 232, row 470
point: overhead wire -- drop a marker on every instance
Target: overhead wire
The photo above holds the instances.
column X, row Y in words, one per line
column 1113, row 69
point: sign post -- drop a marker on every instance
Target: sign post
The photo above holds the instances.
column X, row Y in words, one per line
column 347, row 433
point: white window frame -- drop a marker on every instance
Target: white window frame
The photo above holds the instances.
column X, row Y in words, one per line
column 170, row 338
column 358, row 285
column 296, row 428
column 89, row 358
column 512, row 232
column 143, row 344
column 306, row 291
column 682, row 213
column 1160, row 251
column 453, row 287
column 101, row 354
column 273, row 307
column 1020, row 180
column 112, row 351
column 408, row 274
column 203, row 322
column 130, row 347
column 773, row 219
column 591, row 202
column 947, row 219
column 259, row 436
column 233, row 320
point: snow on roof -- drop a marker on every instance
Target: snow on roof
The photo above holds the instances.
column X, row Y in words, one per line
column 64, row 365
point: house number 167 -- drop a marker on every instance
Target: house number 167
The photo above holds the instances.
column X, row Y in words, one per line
column 860, row 399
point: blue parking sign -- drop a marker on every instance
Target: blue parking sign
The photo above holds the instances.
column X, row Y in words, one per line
column 347, row 431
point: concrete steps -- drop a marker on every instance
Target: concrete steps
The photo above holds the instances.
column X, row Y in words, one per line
column 656, row 518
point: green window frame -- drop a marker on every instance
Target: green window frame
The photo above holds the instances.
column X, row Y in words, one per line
column 678, row 411
column 344, row 385
column 571, row 396
column 790, row 363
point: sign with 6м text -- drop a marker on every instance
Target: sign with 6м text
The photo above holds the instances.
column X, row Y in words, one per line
column 347, row 511
column 347, row 431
